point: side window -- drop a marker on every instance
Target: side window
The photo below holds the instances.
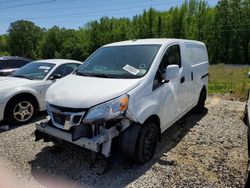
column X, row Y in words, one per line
column 171, row 57
column 65, row 69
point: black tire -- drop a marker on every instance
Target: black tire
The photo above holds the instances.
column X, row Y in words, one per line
column 146, row 143
column 200, row 107
column 20, row 110
column 128, row 139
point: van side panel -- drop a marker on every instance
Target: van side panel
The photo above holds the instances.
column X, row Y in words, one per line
column 185, row 91
column 196, row 56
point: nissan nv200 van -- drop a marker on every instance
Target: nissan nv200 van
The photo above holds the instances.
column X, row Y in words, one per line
column 132, row 91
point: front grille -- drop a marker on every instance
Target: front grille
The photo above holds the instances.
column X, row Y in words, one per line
column 59, row 118
column 77, row 119
column 67, row 109
column 64, row 117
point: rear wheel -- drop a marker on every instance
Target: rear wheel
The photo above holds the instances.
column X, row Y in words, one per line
column 20, row 110
column 199, row 108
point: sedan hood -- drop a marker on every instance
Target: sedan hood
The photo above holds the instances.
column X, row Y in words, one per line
column 7, row 83
column 75, row 91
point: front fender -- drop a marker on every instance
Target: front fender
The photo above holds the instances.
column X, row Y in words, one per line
column 19, row 90
column 144, row 113
column 144, row 106
column 143, row 102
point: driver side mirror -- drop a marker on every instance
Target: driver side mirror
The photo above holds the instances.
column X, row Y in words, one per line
column 55, row 76
column 172, row 72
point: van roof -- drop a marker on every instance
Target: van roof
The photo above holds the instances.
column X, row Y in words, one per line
column 158, row 41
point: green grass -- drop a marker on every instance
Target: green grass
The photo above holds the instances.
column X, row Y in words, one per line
column 227, row 79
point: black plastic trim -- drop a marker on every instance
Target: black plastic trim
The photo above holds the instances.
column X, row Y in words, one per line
column 205, row 75
column 68, row 109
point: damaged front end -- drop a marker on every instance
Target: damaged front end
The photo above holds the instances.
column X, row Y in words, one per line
column 92, row 129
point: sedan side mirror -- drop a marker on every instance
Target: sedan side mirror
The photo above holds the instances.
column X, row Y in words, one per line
column 172, row 72
column 55, row 76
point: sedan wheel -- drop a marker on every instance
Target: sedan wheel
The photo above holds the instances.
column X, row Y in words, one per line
column 23, row 111
column 20, row 110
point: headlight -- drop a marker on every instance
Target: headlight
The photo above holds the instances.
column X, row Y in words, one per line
column 108, row 110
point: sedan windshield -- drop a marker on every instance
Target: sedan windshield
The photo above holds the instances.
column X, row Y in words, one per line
column 34, row 70
column 132, row 61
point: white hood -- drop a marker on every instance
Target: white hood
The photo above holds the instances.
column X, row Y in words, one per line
column 7, row 83
column 84, row 92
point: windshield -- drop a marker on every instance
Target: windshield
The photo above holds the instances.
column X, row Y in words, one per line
column 34, row 70
column 132, row 61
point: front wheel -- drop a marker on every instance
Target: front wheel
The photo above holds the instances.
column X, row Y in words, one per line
column 146, row 143
column 20, row 110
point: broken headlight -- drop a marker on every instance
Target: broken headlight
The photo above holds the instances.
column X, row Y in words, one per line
column 108, row 110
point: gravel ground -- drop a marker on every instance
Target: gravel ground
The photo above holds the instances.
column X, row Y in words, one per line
column 208, row 150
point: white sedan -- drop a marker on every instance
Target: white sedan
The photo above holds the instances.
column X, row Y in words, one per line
column 23, row 93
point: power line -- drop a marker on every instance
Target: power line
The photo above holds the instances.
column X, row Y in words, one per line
column 80, row 8
column 4, row 2
column 93, row 12
column 33, row 4
column 100, row 5
column 84, row 19
column 27, row 4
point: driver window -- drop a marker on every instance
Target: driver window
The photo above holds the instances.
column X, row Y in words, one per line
column 171, row 57
column 65, row 69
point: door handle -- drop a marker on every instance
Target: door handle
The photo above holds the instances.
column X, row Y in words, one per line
column 182, row 79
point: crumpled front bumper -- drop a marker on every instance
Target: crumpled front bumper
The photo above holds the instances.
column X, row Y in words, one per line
column 46, row 132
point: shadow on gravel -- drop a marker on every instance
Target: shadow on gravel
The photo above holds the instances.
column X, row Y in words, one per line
column 73, row 164
column 5, row 127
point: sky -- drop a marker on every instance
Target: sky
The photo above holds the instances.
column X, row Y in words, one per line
column 75, row 13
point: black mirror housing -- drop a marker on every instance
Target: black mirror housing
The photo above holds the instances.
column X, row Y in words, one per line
column 55, row 77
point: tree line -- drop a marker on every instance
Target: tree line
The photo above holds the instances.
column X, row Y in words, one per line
column 224, row 28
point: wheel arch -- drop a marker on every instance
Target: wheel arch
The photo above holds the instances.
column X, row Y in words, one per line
column 204, row 88
column 25, row 94
column 155, row 119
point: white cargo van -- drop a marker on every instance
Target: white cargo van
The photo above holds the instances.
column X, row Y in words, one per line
column 132, row 91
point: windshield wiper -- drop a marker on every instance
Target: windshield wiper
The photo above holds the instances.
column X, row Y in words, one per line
column 101, row 75
column 22, row 76
column 81, row 74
